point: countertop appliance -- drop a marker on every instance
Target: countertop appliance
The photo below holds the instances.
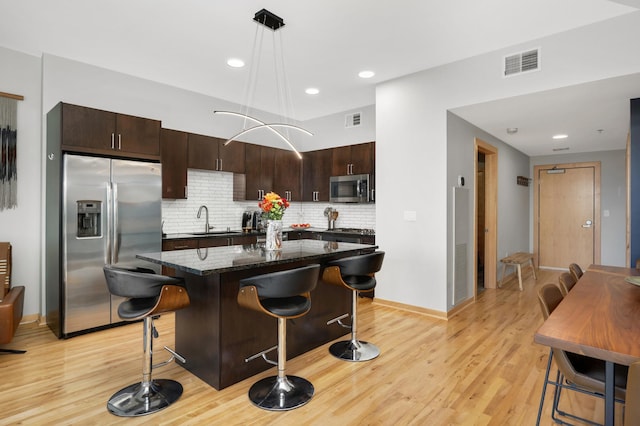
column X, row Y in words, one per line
column 111, row 211
column 349, row 189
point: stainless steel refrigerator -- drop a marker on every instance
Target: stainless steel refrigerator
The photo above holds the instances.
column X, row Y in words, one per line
column 111, row 211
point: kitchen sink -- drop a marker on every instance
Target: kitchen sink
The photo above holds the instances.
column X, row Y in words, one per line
column 216, row 233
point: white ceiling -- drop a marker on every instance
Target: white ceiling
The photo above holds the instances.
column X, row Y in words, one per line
column 326, row 43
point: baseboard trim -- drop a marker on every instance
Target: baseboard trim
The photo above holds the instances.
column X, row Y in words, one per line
column 411, row 308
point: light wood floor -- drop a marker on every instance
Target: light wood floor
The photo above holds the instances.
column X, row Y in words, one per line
column 481, row 367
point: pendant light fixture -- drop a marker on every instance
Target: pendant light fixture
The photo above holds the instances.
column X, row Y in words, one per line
column 267, row 21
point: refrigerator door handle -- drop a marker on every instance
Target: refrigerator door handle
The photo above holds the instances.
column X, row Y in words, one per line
column 116, row 225
column 107, row 251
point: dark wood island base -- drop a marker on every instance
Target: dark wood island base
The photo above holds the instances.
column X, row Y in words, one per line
column 215, row 335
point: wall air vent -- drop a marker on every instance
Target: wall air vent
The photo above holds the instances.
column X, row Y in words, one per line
column 352, row 120
column 521, row 62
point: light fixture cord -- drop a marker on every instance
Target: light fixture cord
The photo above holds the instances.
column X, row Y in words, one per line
column 254, row 68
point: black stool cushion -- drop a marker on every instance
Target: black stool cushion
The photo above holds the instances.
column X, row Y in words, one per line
column 356, row 270
column 140, row 285
column 281, row 292
column 288, row 306
column 359, row 282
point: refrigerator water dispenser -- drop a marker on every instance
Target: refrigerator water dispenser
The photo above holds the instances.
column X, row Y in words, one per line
column 89, row 218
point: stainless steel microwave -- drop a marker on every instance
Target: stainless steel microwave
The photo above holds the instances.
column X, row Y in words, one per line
column 349, row 189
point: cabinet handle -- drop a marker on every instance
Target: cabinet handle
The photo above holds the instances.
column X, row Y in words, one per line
column 186, row 191
column 113, row 141
column 119, row 141
column 180, row 247
column 220, row 164
column 373, row 195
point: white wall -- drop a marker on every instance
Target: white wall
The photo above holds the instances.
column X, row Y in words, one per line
column 22, row 226
column 411, row 138
column 513, row 200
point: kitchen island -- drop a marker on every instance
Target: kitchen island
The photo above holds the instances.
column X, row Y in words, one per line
column 215, row 335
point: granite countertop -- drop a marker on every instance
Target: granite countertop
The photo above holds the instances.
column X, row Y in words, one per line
column 238, row 232
column 211, row 260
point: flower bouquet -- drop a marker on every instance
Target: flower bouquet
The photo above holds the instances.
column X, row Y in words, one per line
column 273, row 207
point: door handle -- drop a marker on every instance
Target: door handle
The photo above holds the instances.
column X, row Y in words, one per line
column 587, row 224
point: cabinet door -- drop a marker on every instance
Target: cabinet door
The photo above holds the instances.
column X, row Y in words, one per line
column 173, row 156
column 231, row 157
column 137, row 135
column 362, row 158
column 286, row 176
column 341, row 161
column 316, row 170
column 259, row 162
column 202, row 152
column 212, row 242
column 89, row 129
column 252, row 171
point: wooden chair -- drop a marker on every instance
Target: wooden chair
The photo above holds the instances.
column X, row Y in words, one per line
column 576, row 271
column 576, row 372
column 632, row 405
column 566, row 282
column 148, row 295
column 11, row 301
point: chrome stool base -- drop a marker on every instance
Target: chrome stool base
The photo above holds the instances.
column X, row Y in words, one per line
column 281, row 393
column 354, row 350
column 139, row 400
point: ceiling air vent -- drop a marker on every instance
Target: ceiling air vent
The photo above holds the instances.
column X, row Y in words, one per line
column 352, row 120
column 521, row 62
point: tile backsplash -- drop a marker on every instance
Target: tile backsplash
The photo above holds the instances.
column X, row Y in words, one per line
column 215, row 190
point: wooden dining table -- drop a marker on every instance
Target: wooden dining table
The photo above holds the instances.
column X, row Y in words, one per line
column 600, row 318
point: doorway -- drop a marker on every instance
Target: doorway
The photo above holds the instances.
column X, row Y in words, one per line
column 567, row 213
column 486, row 216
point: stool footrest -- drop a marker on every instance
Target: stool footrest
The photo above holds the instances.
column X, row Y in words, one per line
column 263, row 354
column 339, row 321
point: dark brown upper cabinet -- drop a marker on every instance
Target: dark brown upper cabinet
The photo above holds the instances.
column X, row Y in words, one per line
column 173, row 156
column 353, row 159
column 209, row 153
column 287, row 176
column 316, row 170
column 259, row 170
column 95, row 131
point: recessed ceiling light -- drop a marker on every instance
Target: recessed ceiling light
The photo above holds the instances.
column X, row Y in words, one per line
column 312, row 91
column 366, row 74
column 235, row 63
column 512, row 130
column 561, row 136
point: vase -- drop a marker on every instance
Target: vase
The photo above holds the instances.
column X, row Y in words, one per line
column 274, row 235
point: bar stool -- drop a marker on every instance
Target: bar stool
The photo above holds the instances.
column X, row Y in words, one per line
column 148, row 296
column 282, row 295
column 356, row 273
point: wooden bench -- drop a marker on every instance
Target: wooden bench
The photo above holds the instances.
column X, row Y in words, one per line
column 517, row 259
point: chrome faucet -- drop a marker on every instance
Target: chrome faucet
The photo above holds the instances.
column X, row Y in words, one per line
column 207, row 228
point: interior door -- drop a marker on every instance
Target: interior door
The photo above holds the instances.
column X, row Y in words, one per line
column 568, row 206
